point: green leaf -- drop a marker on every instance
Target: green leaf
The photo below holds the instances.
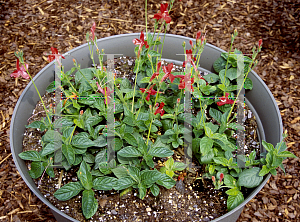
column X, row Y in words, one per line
column 268, row 146
column 120, row 172
column 129, row 121
column 51, row 136
column 216, row 114
column 100, row 141
column 142, row 191
column 179, row 166
column 286, row 154
column 145, row 80
column 51, row 87
column 124, row 183
column 130, row 139
column 206, row 145
column 93, row 120
column 89, row 203
column 104, row 183
column 68, row 191
column 83, row 75
column 62, row 122
column 234, row 201
column 69, row 153
column 125, row 84
column 233, row 191
column 221, row 160
column 264, row 171
column 35, row 125
column 30, row 155
column 231, row 73
column 229, row 181
column 250, row 178
column 248, row 84
column 160, row 152
column 235, row 126
column 129, row 151
column 82, row 141
column 149, row 177
column 211, row 78
column 37, row 169
column 166, row 181
column 153, row 53
column 154, row 190
column 219, row 64
column 51, row 148
column 85, row 175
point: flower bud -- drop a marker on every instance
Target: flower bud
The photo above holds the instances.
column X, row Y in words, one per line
column 74, row 61
column 178, row 100
column 221, row 177
column 191, row 43
column 259, row 43
column 81, row 112
column 198, row 35
column 213, row 179
column 235, row 32
column 183, row 44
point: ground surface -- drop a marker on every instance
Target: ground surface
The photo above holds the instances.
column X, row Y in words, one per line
column 34, row 26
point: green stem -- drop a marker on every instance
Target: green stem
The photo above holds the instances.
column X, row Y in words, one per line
column 135, row 83
column 37, row 92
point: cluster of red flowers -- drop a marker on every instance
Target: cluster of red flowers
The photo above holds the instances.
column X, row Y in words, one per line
column 225, row 100
column 149, row 91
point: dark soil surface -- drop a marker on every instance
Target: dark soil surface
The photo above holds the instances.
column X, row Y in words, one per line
column 34, row 26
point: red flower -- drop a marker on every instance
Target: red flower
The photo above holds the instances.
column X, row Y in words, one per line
column 54, row 55
column 93, row 31
column 198, row 35
column 213, row 178
column 157, row 72
column 167, row 70
column 190, row 58
column 141, row 42
column 163, row 14
column 225, row 100
column 259, row 43
column 191, row 43
column 182, row 81
column 106, row 92
column 21, row 71
column 150, row 91
column 221, row 177
column 160, row 109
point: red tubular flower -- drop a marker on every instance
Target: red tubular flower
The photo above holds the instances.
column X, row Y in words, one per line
column 190, row 58
column 150, row 91
column 93, row 31
column 259, row 43
column 198, row 35
column 221, row 177
column 167, row 70
column 213, row 179
column 157, row 72
column 225, row 100
column 106, row 92
column 20, row 71
column 160, row 109
column 191, row 43
column 163, row 14
column 182, row 81
column 54, row 55
column 141, row 42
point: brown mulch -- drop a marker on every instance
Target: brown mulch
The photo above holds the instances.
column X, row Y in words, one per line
column 34, row 26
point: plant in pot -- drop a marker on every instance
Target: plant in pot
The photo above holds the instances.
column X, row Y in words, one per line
column 120, row 134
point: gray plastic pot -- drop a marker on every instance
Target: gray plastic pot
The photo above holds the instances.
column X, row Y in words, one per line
column 259, row 99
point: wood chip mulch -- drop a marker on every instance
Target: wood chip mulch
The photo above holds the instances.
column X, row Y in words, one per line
column 34, row 26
